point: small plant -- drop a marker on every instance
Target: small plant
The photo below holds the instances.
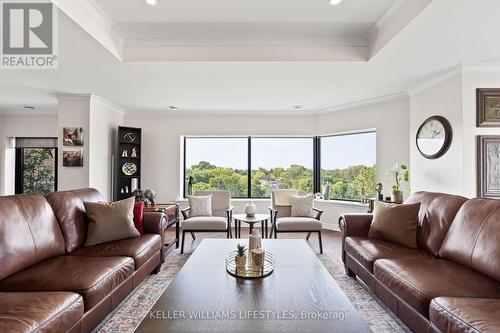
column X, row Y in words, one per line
column 398, row 173
column 240, row 249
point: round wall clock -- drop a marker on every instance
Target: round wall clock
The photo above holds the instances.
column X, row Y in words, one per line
column 434, row 137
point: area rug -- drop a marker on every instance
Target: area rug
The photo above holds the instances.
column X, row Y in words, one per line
column 129, row 314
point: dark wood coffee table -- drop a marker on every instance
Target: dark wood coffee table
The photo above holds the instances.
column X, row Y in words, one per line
column 300, row 295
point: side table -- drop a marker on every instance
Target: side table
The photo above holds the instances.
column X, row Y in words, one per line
column 251, row 220
column 171, row 211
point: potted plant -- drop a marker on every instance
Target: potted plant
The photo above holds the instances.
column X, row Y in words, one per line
column 399, row 173
column 241, row 258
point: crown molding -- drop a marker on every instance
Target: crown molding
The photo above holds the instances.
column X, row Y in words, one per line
column 435, row 79
column 481, row 68
column 108, row 104
column 363, row 103
column 90, row 16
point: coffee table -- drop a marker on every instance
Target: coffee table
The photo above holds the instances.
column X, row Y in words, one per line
column 299, row 296
column 251, row 220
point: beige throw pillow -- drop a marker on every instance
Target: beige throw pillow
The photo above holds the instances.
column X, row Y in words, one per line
column 110, row 221
column 200, row 205
column 395, row 222
column 302, row 205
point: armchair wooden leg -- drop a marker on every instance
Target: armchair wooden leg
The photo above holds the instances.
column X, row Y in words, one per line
column 308, row 235
column 320, row 242
column 182, row 242
column 192, row 235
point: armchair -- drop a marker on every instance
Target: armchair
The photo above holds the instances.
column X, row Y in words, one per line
column 283, row 222
column 220, row 220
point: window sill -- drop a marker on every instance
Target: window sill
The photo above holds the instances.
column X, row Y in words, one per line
column 341, row 202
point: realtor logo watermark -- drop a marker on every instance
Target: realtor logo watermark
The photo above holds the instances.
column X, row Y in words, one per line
column 29, row 35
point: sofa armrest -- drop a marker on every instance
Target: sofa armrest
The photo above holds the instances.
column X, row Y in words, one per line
column 353, row 225
column 154, row 223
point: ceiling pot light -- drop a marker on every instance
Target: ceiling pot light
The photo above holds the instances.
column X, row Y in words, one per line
column 29, row 107
column 298, row 106
column 174, row 107
column 151, row 2
column 335, row 2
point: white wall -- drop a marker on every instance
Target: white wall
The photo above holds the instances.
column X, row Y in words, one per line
column 444, row 174
column 104, row 121
column 389, row 118
column 454, row 97
column 472, row 81
column 20, row 126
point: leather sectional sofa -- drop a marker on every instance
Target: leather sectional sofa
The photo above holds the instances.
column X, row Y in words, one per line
column 451, row 282
column 50, row 282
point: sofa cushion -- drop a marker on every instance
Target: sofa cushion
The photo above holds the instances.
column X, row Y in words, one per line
column 70, row 213
column 298, row 224
column 200, row 205
column 110, row 221
column 450, row 314
column 367, row 250
column 29, row 233
column 92, row 277
column 205, row 223
column 139, row 248
column 474, row 237
column 418, row 281
column 302, row 205
column 395, row 222
column 50, row 312
column 437, row 211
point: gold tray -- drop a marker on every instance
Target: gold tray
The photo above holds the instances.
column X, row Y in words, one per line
column 249, row 271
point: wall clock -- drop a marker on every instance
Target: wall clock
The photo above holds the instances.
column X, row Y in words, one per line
column 434, row 137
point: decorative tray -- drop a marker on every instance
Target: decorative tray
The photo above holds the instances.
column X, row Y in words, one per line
column 249, row 271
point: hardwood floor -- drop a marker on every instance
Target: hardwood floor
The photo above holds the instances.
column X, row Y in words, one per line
column 331, row 239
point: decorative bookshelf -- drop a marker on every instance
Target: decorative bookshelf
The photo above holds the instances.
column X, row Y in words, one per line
column 128, row 165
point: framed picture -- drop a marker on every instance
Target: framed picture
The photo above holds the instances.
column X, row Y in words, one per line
column 73, row 136
column 488, row 166
column 73, row 157
column 488, row 107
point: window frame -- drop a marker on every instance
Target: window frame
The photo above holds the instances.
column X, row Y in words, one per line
column 19, row 168
column 316, row 162
column 337, row 135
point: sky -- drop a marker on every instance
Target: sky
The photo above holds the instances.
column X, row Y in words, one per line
column 336, row 152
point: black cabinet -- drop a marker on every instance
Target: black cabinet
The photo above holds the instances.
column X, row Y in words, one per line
column 128, row 162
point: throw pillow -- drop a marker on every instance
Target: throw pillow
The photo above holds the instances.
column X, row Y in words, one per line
column 110, row 221
column 396, row 223
column 200, row 205
column 139, row 216
column 302, row 205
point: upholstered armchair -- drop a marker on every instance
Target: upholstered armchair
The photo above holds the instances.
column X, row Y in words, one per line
column 283, row 222
column 219, row 221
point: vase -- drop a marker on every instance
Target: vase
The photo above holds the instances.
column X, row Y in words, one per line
column 250, row 209
column 397, row 197
column 258, row 257
column 326, row 191
column 254, row 240
column 241, row 262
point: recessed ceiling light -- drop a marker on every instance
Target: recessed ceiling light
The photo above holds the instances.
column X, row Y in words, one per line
column 152, row 2
column 335, row 2
column 174, row 107
column 29, row 107
column 298, row 106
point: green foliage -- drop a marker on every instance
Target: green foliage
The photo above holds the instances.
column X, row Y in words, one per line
column 398, row 173
column 346, row 183
column 39, row 173
column 240, row 249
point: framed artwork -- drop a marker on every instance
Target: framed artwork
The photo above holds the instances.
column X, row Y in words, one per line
column 488, row 166
column 73, row 136
column 488, row 107
column 73, row 157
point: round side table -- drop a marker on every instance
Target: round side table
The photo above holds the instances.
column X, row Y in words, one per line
column 263, row 219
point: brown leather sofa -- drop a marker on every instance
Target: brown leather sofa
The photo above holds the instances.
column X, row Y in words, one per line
column 50, row 282
column 451, row 282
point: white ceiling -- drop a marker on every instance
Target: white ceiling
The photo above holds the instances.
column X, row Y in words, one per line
column 446, row 33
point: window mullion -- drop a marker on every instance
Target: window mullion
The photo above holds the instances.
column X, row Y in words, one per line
column 249, row 171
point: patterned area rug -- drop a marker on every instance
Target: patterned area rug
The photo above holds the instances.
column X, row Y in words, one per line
column 129, row 314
